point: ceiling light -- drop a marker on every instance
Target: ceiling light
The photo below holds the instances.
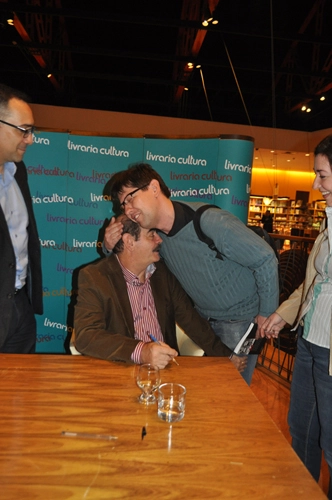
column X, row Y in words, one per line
column 198, row 66
column 190, row 65
column 307, row 154
column 322, row 98
column 185, row 88
column 49, row 75
column 308, row 110
column 10, row 22
column 208, row 18
column 303, row 108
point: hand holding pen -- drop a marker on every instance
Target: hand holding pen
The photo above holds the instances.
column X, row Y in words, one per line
column 153, row 338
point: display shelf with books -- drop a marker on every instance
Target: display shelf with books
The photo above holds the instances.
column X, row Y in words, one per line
column 317, row 212
column 289, row 216
column 256, row 209
column 279, row 207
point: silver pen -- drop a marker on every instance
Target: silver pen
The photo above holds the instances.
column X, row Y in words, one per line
column 88, row 435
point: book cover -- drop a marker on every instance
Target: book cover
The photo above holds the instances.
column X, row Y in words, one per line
column 249, row 344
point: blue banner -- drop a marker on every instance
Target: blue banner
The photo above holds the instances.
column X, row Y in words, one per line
column 67, row 178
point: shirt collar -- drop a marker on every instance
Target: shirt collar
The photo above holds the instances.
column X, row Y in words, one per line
column 9, row 171
column 131, row 278
column 183, row 215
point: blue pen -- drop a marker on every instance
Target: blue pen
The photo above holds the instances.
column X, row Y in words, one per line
column 153, row 338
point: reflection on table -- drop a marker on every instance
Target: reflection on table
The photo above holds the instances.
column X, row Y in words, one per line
column 225, row 447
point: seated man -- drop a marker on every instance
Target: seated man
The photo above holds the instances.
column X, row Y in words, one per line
column 129, row 296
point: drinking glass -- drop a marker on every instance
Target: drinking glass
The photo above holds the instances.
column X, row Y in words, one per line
column 148, row 380
column 171, row 402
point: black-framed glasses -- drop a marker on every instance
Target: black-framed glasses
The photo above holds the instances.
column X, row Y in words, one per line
column 130, row 196
column 25, row 131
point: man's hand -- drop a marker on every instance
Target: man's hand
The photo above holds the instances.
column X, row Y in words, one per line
column 272, row 325
column 113, row 233
column 240, row 362
column 260, row 333
column 157, row 354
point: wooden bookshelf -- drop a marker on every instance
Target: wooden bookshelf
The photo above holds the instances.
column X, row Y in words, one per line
column 287, row 214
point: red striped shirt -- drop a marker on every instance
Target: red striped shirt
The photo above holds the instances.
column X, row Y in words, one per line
column 143, row 309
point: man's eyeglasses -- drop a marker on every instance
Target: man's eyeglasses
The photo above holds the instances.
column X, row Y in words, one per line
column 25, row 131
column 130, row 196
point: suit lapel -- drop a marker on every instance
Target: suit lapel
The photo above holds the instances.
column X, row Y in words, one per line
column 160, row 297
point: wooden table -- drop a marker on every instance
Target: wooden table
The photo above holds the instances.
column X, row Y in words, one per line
column 304, row 242
column 225, row 447
column 290, row 237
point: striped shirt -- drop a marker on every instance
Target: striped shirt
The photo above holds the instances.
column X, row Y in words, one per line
column 143, row 309
column 317, row 321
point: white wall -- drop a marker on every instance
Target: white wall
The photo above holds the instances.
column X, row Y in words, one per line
column 94, row 122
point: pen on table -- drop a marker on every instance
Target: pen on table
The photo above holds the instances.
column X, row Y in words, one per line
column 88, row 435
column 153, row 338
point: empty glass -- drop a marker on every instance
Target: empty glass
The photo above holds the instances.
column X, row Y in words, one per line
column 148, row 380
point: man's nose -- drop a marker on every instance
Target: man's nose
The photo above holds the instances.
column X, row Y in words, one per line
column 128, row 209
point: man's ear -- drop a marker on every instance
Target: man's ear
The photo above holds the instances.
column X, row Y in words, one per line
column 128, row 241
column 155, row 186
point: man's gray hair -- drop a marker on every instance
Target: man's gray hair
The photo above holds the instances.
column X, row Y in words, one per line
column 130, row 227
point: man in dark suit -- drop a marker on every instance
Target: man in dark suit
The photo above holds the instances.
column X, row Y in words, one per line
column 130, row 297
column 20, row 274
